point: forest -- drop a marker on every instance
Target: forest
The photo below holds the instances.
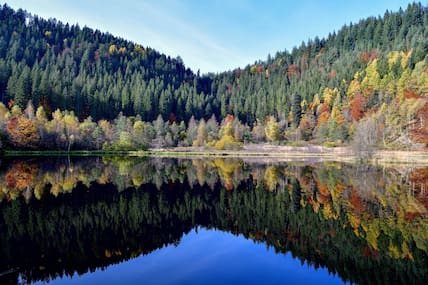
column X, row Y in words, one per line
column 60, row 216
column 64, row 87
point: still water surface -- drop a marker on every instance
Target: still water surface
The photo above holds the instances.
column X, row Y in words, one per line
column 208, row 257
column 210, row 221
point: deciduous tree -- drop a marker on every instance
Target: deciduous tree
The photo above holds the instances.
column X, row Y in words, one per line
column 23, row 133
column 271, row 129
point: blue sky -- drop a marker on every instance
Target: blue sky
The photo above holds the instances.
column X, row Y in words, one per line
column 213, row 35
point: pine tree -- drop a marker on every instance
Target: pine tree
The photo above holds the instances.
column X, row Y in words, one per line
column 296, row 110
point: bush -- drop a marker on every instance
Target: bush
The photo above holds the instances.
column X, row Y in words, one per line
column 227, row 142
column 330, row 144
column 120, row 146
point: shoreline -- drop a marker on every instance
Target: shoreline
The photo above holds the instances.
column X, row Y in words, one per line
column 256, row 151
column 303, row 153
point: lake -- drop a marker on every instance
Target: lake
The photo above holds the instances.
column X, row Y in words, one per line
column 125, row 220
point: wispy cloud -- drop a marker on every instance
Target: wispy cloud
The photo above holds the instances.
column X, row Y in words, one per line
column 175, row 34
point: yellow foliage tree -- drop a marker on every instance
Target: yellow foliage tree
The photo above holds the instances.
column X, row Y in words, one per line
column 138, row 49
column 371, row 81
column 329, row 95
column 272, row 129
column 227, row 141
column 354, row 86
column 71, row 124
column 316, row 102
column 112, row 49
column 420, row 76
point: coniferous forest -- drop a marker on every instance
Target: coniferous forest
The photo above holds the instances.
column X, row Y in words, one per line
column 68, row 87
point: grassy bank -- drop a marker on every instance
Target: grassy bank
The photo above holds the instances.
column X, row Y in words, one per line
column 265, row 152
column 163, row 153
column 14, row 153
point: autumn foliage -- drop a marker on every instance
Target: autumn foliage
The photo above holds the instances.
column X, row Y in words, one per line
column 23, row 132
column 21, row 176
column 419, row 133
column 357, row 107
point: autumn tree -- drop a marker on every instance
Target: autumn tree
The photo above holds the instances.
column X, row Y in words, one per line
column 357, row 107
column 23, row 133
column 227, row 139
column 138, row 133
column 202, row 134
column 306, row 127
column 271, row 129
column 71, row 129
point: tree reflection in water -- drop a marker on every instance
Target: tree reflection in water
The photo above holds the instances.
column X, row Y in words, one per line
column 60, row 216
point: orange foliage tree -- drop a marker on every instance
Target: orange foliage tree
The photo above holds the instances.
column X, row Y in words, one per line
column 23, row 132
column 323, row 118
column 357, row 107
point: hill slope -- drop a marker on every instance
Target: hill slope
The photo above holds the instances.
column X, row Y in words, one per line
column 93, row 73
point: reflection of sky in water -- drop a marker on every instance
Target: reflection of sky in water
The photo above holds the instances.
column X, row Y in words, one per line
column 209, row 257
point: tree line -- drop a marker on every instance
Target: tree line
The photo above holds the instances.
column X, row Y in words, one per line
column 31, row 129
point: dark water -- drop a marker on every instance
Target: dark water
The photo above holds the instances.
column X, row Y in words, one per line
column 211, row 221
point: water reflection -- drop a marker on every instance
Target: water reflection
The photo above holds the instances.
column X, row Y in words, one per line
column 60, row 216
column 208, row 257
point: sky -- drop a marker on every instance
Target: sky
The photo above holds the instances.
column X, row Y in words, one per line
column 213, row 35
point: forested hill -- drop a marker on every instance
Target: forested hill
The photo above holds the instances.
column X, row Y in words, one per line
column 370, row 77
column 93, row 73
column 325, row 63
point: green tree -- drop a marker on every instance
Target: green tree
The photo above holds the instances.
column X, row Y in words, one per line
column 23, row 88
column 296, row 110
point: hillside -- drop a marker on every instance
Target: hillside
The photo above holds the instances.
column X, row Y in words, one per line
column 367, row 82
column 61, row 66
column 375, row 68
